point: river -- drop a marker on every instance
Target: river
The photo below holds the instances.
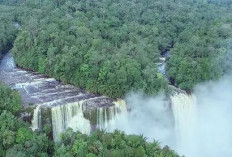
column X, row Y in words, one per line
column 196, row 125
column 69, row 106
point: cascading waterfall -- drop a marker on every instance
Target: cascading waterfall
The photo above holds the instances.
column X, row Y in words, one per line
column 121, row 105
column 66, row 105
column 105, row 117
column 58, row 104
column 184, row 112
column 36, row 121
column 69, row 116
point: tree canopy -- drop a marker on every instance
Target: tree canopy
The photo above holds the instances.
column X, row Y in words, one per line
column 113, row 47
column 108, row 47
column 7, row 28
column 18, row 140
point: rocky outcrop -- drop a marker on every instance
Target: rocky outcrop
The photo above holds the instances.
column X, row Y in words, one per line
column 50, row 103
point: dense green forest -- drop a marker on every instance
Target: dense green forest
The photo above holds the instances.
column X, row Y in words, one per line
column 18, row 140
column 112, row 47
column 109, row 47
column 11, row 2
column 7, row 28
column 202, row 49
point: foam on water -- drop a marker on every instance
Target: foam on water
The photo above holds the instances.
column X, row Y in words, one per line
column 65, row 101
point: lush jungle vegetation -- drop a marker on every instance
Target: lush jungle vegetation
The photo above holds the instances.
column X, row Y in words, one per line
column 11, row 2
column 18, row 140
column 112, row 47
column 109, row 47
column 102, row 144
column 9, row 100
column 7, row 28
column 202, row 49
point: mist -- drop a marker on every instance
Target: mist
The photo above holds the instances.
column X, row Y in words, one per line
column 147, row 116
column 201, row 126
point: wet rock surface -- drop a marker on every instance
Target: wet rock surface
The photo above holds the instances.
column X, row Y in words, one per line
column 37, row 89
column 48, row 102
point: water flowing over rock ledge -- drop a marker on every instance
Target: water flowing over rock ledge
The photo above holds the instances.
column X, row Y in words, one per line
column 51, row 104
column 56, row 104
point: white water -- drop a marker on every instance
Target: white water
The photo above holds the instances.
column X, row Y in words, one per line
column 65, row 101
column 202, row 120
column 69, row 116
column 202, row 128
column 148, row 116
column 208, row 130
column 36, row 121
column 184, row 110
column 106, row 116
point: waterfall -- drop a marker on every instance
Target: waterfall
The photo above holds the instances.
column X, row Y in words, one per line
column 184, row 112
column 121, row 105
column 69, row 116
column 106, row 116
column 67, row 106
column 36, row 121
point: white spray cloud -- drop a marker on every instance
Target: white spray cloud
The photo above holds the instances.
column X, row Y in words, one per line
column 148, row 116
column 207, row 134
column 214, row 119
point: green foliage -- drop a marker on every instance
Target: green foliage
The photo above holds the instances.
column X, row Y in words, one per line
column 11, row 2
column 108, row 47
column 23, row 135
column 111, row 54
column 9, row 100
column 203, row 54
column 16, row 138
column 112, row 47
column 115, row 144
column 7, row 28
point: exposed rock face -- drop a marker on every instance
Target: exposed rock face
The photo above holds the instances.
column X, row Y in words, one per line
column 56, row 104
column 175, row 90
